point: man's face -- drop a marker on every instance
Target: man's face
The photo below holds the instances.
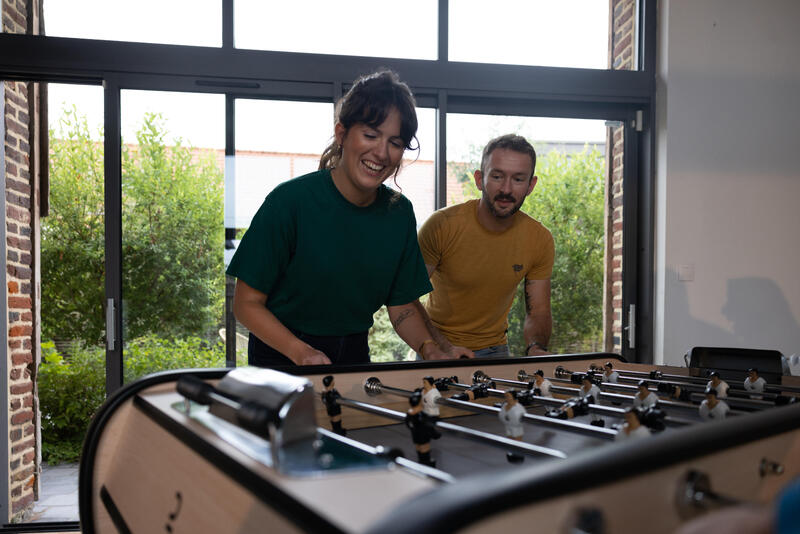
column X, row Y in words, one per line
column 505, row 182
column 753, row 376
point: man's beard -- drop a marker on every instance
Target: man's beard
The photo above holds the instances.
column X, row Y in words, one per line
column 493, row 210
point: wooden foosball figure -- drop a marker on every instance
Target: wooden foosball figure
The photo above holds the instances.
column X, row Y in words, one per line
column 330, row 398
column 422, row 429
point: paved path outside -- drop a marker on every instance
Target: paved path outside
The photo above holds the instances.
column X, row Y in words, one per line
column 58, row 498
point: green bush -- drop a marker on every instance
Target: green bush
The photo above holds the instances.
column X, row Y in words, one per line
column 69, row 394
column 71, row 390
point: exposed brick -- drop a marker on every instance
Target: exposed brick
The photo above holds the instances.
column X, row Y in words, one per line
column 616, row 202
column 20, row 302
column 19, row 272
column 27, row 401
column 13, row 287
column 26, row 343
column 16, row 404
column 16, row 99
column 19, row 389
column 20, row 447
column 14, row 464
column 16, row 155
column 16, row 492
column 27, row 316
column 11, row 169
column 21, row 417
column 13, row 126
column 22, row 503
column 24, row 146
column 28, row 431
column 24, row 119
column 28, row 458
column 22, row 201
column 18, row 214
column 23, row 474
column 25, row 231
column 25, row 258
column 14, row 374
column 19, row 330
column 21, row 358
column 10, row 226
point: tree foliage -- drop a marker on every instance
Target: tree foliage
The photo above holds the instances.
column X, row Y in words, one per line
column 172, row 218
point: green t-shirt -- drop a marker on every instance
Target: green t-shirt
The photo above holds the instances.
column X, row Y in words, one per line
column 327, row 265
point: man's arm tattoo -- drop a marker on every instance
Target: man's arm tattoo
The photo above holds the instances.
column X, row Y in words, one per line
column 405, row 314
column 528, row 298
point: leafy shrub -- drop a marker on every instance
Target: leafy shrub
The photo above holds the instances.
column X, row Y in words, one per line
column 71, row 390
column 69, row 394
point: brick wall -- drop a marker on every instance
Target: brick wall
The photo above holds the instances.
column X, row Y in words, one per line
column 21, row 356
column 622, row 39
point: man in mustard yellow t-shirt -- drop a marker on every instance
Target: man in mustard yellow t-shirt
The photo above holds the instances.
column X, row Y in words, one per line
column 478, row 252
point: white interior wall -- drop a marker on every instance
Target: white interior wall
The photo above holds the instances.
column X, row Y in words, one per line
column 728, row 176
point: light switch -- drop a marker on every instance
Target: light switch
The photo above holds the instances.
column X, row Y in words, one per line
column 686, row 272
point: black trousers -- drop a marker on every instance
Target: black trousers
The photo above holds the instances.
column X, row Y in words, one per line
column 341, row 350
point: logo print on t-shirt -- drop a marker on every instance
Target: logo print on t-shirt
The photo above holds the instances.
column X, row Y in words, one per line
column 517, row 267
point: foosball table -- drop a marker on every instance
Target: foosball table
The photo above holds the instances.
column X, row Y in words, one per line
column 433, row 447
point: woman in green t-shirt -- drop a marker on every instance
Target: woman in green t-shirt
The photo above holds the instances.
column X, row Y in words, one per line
column 328, row 249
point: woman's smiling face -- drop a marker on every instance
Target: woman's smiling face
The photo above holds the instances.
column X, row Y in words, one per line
column 369, row 156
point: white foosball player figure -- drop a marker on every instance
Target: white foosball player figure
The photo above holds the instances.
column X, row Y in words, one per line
column 719, row 384
column 754, row 383
column 542, row 384
column 430, row 394
column 712, row 407
column 511, row 414
column 644, row 398
column 633, row 428
column 609, row 374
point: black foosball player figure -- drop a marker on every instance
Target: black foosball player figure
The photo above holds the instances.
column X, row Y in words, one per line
column 754, row 383
column 330, row 397
column 475, row 391
column 511, row 414
column 712, row 407
column 676, row 392
column 571, row 408
column 422, row 429
column 591, row 392
column 541, row 385
column 716, row 382
column 644, row 398
column 633, row 427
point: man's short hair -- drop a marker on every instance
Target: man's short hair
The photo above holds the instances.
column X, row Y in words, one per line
column 514, row 142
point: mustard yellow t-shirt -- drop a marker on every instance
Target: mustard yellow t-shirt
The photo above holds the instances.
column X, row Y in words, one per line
column 478, row 271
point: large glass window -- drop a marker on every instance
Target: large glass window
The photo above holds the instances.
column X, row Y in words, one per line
column 569, row 199
column 554, row 33
column 184, row 22
column 355, row 27
column 172, row 231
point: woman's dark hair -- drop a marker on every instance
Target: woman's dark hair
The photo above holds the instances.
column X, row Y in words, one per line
column 369, row 101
